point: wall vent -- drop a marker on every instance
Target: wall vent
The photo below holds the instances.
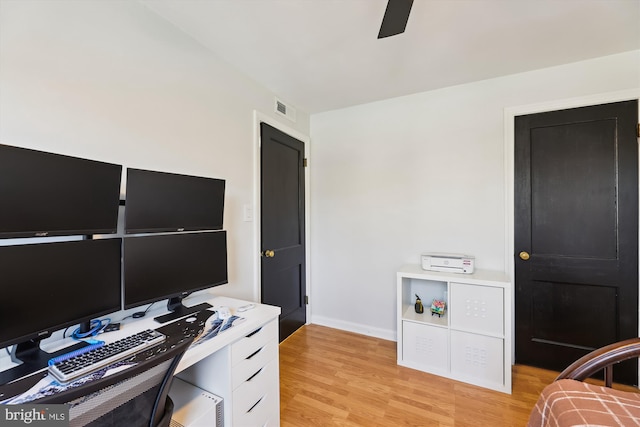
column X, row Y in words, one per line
column 285, row 110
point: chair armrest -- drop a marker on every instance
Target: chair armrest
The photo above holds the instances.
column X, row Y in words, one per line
column 602, row 358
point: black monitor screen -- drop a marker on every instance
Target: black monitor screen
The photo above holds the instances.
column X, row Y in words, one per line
column 160, row 201
column 48, row 286
column 46, row 194
column 158, row 267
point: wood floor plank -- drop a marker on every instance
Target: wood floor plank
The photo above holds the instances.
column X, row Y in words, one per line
column 330, row 377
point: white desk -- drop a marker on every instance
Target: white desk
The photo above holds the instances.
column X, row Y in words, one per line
column 240, row 364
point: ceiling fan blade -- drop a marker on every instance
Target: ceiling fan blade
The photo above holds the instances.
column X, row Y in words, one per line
column 395, row 18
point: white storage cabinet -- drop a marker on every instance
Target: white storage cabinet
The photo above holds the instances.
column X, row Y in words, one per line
column 246, row 375
column 471, row 342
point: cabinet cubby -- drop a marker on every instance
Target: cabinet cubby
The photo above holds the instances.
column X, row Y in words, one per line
column 471, row 342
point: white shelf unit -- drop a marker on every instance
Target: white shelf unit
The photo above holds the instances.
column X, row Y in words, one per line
column 471, row 342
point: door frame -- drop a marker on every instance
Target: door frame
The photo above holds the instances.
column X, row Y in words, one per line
column 259, row 117
column 509, row 168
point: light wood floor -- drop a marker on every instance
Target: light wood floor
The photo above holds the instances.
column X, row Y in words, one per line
column 330, row 377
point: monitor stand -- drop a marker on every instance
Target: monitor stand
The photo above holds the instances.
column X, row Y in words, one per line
column 32, row 358
column 178, row 310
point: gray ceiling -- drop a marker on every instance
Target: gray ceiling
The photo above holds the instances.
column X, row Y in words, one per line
column 321, row 55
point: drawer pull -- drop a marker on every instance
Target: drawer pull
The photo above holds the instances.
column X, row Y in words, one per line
column 253, row 333
column 254, row 375
column 254, row 353
column 255, row 404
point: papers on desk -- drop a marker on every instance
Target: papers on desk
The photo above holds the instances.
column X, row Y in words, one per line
column 48, row 385
column 215, row 326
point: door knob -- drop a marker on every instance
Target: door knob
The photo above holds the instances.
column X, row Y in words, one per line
column 268, row 253
column 524, row 255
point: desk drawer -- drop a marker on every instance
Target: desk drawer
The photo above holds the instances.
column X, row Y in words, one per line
column 252, row 342
column 264, row 414
column 251, row 365
column 253, row 399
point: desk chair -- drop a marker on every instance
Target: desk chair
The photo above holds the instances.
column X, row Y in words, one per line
column 137, row 396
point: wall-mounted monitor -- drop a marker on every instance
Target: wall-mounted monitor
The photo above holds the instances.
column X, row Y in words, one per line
column 46, row 287
column 46, row 194
column 161, row 202
column 171, row 266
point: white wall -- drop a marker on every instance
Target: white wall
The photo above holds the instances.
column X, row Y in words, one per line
column 425, row 172
column 112, row 81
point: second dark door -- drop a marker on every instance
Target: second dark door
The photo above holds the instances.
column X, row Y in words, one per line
column 282, row 227
column 576, row 234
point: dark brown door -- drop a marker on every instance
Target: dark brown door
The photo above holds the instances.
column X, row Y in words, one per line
column 576, row 234
column 282, row 225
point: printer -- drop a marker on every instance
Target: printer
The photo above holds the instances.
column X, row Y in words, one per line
column 454, row 263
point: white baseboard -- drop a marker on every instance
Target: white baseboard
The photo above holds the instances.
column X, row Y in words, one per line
column 358, row 328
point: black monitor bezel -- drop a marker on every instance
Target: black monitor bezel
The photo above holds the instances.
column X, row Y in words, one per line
column 111, row 229
column 172, row 295
column 130, row 202
column 46, row 332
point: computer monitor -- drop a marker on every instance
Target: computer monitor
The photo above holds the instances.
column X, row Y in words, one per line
column 46, row 194
column 46, row 287
column 157, row 267
column 164, row 202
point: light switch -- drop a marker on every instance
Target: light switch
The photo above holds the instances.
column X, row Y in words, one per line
column 248, row 213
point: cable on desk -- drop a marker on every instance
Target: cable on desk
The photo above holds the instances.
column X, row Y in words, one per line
column 139, row 314
column 97, row 325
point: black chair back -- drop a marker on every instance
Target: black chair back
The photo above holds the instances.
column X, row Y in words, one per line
column 135, row 396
